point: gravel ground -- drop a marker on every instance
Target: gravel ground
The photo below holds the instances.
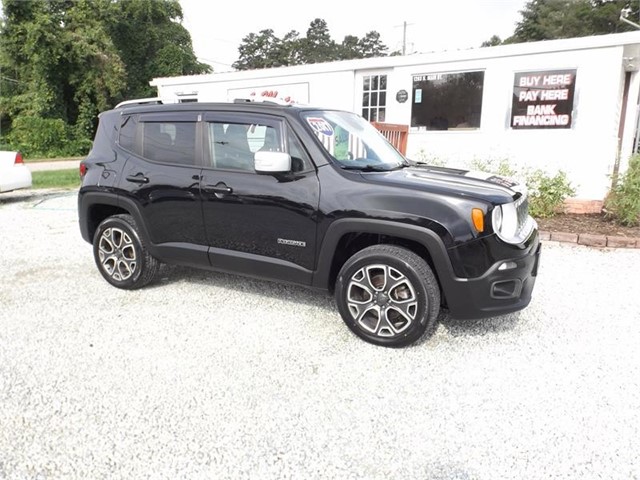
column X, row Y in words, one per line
column 205, row 375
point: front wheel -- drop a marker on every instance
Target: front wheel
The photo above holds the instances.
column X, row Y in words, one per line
column 120, row 254
column 388, row 295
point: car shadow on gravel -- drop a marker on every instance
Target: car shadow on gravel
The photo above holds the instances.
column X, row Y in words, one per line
column 170, row 274
column 479, row 327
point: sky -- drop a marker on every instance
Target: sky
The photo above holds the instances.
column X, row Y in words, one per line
column 432, row 25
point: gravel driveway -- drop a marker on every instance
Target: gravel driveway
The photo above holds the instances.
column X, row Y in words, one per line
column 205, row 375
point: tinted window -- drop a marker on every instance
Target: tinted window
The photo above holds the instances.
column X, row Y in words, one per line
column 169, row 142
column 447, row 101
column 128, row 132
column 232, row 145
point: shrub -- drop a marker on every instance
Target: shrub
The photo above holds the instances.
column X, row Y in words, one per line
column 624, row 199
column 422, row 157
column 36, row 136
column 500, row 167
column 547, row 193
column 45, row 137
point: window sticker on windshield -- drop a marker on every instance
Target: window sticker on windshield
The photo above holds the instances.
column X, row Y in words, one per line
column 320, row 125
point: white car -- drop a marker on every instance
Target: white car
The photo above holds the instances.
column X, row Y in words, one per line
column 14, row 173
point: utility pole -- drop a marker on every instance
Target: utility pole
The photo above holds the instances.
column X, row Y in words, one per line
column 404, row 35
column 404, row 38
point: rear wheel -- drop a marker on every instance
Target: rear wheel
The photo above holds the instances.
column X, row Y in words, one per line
column 120, row 254
column 388, row 295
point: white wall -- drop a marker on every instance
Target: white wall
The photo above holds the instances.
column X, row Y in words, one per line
column 329, row 90
column 586, row 152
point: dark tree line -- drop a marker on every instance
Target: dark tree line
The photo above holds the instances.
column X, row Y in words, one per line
column 552, row 19
column 64, row 61
column 266, row 50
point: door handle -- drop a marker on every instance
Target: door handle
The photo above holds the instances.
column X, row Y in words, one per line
column 219, row 189
column 138, row 178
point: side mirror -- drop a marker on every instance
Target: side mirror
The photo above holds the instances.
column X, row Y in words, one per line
column 272, row 162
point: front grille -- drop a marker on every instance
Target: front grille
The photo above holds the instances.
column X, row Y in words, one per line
column 522, row 209
column 526, row 224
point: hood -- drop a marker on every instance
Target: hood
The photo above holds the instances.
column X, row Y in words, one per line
column 448, row 181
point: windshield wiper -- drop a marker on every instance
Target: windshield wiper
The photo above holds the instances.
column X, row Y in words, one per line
column 371, row 168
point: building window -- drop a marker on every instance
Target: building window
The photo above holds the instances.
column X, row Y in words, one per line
column 374, row 97
column 447, row 101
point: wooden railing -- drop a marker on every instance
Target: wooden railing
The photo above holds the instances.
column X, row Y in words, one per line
column 396, row 134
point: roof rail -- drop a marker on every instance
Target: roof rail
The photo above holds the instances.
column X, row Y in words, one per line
column 141, row 101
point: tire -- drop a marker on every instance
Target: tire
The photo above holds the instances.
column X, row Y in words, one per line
column 388, row 296
column 121, row 255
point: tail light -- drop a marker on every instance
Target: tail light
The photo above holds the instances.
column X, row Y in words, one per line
column 83, row 169
column 18, row 159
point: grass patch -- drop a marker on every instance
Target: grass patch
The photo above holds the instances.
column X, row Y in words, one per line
column 57, row 159
column 56, row 179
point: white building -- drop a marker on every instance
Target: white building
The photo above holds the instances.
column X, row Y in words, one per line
column 567, row 105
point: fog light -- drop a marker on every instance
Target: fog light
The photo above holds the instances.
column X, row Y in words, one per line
column 506, row 289
column 507, row 266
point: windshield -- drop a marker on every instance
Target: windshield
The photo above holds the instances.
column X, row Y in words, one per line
column 352, row 141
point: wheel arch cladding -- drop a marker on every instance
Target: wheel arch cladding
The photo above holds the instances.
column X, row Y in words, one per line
column 425, row 241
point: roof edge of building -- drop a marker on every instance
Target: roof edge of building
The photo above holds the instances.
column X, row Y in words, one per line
column 480, row 53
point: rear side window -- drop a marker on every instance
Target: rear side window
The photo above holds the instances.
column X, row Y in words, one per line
column 169, row 142
column 128, row 128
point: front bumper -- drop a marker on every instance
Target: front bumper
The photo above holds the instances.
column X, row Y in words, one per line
column 498, row 291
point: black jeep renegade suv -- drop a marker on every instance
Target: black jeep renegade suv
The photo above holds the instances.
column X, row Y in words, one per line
column 307, row 196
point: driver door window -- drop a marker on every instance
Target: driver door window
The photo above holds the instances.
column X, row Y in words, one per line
column 232, row 145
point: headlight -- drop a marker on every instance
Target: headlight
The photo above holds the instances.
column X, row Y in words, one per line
column 505, row 223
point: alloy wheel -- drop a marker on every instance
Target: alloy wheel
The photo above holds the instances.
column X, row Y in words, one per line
column 382, row 300
column 117, row 253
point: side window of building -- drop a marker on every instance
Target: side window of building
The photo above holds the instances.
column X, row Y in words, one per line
column 447, row 101
column 232, row 145
column 169, row 142
column 374, row 97
column 128, row 128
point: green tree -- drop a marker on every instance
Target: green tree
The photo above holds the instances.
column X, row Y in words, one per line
column 318, row 46
column 290, row 49
column 492, row 42
column 151, row 42
column 64, row 61
column 64, row 66
column 371, row 46
column 551, row 19
column 349, row 48
column 266, row 50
